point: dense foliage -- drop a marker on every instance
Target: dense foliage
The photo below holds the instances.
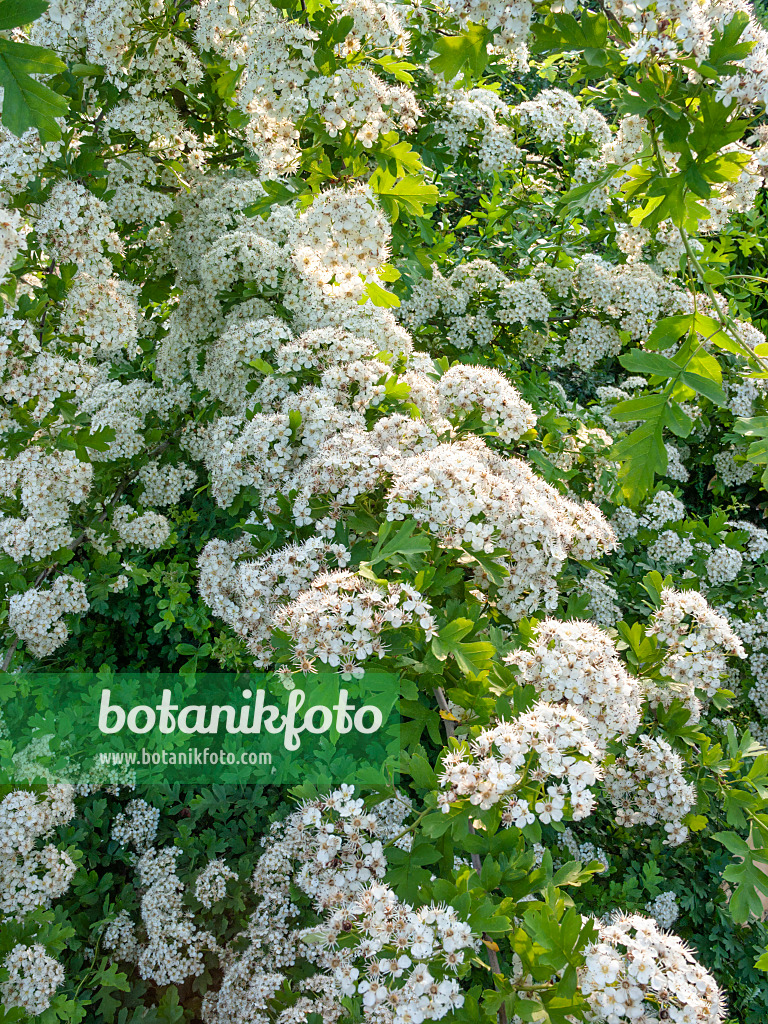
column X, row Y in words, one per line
column 342, row 334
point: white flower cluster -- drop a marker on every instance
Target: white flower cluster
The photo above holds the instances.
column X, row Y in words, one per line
column 512, row 19
column 174, row 947
column 126, row 408
column 164, row 485
column 634, row 295
column 280, row 83
column 342, row 238
column 479, row 286
column 12, row 238
column 757, row 540
column 22, row 158
column 376, row 24
column 341, row 617
column 33, row 978
column 33, row 376
column 398, row 959
column 586, row 307
column 541, row 764
column 625, row 523
column 211, row 883
column 603, row 599
column 664, row 909
column 635, row 972
column 120, row 938
column 357, row 99
column 277, row 58
column 475, row 113
column 36, row 615
column 647, row 784
column 555, row 114
column 672, row 548
column 583, row 852
column 754, row 634
column 743, row 395
column 588, row 342
column 114, row 34
column 731, row 472
column 75, row 227
column 336, row 617
column 469, row 496
column 104, row 312
column 405, row 985
column 576, row 663
column 667, row 30
column 149, row 530
column 698, row 642
column 136, row 826
column 676, row 468
column 33, row 875
column 47, row 485
column 662, row 509
column 241, row 256
column 464, row 388
column 724, row 565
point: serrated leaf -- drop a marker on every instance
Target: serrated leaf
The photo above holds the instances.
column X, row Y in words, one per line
column 470, row 50
column 28, row 103
column 733, row 843
column 403, row 543
column 422, row 772
column 642, row 456
column 640, row 361
column 410, row 193
column 380, row 297
column 637, row 408
column 704, row 386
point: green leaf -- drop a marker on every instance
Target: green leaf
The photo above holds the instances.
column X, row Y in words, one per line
column 490, row 875
column 15, row 13
column 669, row 331
column 28, row 103
column 380, row 297
column 713, row 332
column 637, row 408
column 576, row 198
column 563, row 32
column 640, row 361
column 695, row 822
column 642, row 455
column 455, row 52
column 733, row 843
column 403, row 543
column 399, row 157
column 677, row 421
column 169, row 1008
column 421, row 771
column 110, row 976
column 226, row 84
column 705, row 387
column 399, row 69
column 725, row 47
column 410, row 193
column 473, row 658
column 754, row 426
column 262, row 366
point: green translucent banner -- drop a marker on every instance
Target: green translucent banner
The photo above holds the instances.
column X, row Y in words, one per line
column 119, row 729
